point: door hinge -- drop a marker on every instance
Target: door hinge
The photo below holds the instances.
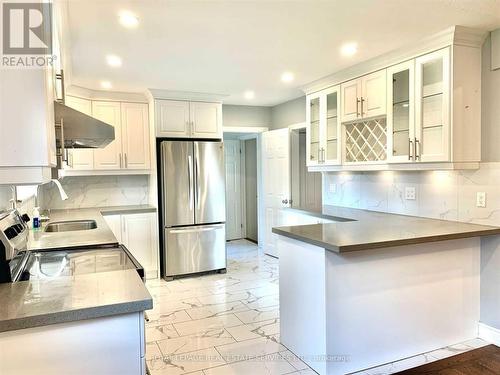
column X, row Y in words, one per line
column 241, row 225
column 240, row 150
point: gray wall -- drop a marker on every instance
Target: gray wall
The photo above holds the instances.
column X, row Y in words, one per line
column 288, row 113
column 246, row 116
column 490, row 107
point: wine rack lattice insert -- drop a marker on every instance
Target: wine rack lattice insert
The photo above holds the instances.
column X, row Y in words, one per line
column 366, row 140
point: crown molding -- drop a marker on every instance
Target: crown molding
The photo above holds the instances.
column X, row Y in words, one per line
column 455, row 35
column 117, row 96
column 185, row 95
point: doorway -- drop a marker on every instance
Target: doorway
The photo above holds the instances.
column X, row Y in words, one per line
column 240, row 153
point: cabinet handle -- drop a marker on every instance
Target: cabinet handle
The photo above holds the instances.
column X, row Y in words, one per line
column 323, row 153
column 410, row 146
column 319, row 155
column 362, row 111
column 417, row 149
column 120, row 156
column 357, row 106
column 126, row 161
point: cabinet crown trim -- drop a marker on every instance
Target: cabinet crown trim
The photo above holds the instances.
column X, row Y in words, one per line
column 454, row 35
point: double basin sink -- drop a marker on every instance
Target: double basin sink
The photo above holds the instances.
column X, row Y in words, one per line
column 70, row 226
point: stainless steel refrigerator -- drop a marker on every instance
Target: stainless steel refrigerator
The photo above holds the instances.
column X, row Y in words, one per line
column 194, row 209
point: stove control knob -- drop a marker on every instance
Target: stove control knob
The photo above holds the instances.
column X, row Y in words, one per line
column 10, row 233
column 26, row 218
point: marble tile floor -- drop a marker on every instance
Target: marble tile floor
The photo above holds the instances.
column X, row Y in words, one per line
column 229, row 323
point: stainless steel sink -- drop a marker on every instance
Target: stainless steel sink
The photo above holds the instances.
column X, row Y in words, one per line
column 68, row 226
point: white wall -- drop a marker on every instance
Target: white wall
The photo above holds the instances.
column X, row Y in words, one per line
column 288, row 113
column 246, row 116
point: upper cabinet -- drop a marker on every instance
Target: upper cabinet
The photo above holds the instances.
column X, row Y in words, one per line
column 364, row 97
column 422, row 111
column 128, row 153
column 323, row 127
column 188, row 119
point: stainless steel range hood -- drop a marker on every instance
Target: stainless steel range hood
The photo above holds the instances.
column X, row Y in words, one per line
column 75, row 129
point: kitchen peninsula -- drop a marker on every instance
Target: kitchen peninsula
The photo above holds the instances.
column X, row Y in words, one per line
column 377, row 288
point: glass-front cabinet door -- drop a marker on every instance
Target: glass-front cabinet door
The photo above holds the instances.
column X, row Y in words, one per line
column 401, row 112
column 432, row 117
column 331, row 135
column 313, row 116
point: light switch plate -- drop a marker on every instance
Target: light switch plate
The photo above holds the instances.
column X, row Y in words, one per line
column 481, row 199
column 332, row 188
column 410, row 193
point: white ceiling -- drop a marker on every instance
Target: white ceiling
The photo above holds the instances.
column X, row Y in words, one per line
column 228, row 47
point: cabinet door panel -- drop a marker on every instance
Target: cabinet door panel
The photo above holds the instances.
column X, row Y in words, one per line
column 206, row 119
column 331, row 133
column 109, row 157
column 374, row 94
column 172, row 118
column 351, row 93
column 135, row 131
column 80, row 158
column 401, row 112
column 313, row 131
column 139, row 238
column 432, row 117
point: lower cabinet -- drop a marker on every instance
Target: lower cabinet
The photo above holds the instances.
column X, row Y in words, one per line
column 138, row 233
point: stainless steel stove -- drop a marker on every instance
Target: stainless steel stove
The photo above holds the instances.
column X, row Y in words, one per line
column 19, row 264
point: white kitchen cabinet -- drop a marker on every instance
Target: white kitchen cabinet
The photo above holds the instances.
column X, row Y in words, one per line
column 135, row 136
column 27, row 134
column 323, row 131
column 172, row 118
column 109, row 157
column 401, row 112
column 432, row 133
column 185, row 119
column 364, row 97
column 80, row 158
column 138, row 233
column 206, row 119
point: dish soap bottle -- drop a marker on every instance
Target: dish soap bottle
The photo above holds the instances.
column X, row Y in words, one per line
column 36, row 218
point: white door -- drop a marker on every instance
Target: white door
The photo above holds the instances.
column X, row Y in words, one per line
column 373, row 99
column 172, row 118
column 350, row 103
column 135, row 132
column 276, row 183
column 232, row 157
column 139, row 237
column 80, row 158
column 432, row 109
column 109, row 157
column 206, row 119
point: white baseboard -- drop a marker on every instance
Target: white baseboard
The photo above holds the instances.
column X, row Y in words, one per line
column 488, row 333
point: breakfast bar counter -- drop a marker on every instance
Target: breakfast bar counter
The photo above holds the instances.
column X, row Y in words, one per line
column 372, row 288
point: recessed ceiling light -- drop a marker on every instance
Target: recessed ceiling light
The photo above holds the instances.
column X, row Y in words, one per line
column 287, row 77
column 128, row 19
column 349, row 49
column 106, row 84
column 114, row 61
column 249, row 95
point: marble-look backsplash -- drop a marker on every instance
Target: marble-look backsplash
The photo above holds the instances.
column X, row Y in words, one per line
column 96, row 191
column 449, row 195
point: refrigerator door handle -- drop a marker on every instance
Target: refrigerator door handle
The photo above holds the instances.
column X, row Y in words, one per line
column 190, row 174
column 197, row 166
column 194, row 230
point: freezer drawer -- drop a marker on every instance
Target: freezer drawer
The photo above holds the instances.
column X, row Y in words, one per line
column 194, row 249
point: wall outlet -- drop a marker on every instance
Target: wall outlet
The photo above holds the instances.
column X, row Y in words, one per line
column 332, row 188
column 481, row 199
column 410, row 193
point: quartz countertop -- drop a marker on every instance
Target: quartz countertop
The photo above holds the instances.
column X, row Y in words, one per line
column 102, row 235
column 35, row 303
column 356, row 230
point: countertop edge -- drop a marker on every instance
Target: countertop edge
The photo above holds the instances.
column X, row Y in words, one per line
column 75, row 315
column 383, row 244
